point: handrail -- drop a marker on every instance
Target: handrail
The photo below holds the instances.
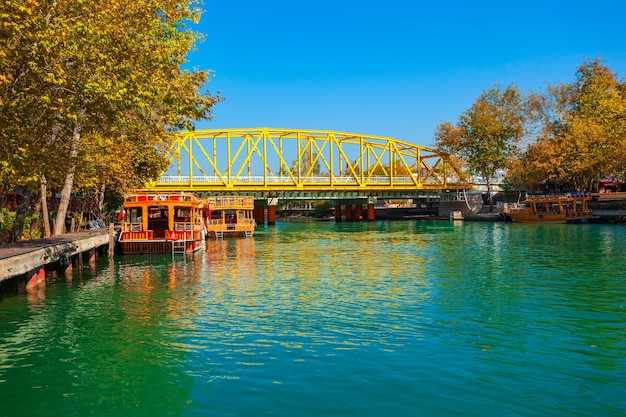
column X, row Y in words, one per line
column 215, row 203
column 161, row 197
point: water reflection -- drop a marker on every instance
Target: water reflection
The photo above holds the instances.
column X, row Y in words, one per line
column 332, row 319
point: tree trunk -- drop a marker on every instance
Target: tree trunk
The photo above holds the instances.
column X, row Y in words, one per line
column 1, row 214
column 43, row 185
column 22, row 212
column 66, row 192
column 100, row 197
column 489, row 194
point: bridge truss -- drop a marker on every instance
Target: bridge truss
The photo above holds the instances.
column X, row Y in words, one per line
column 266, row 160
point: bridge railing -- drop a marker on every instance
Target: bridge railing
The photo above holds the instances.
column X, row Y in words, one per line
column 208, row 179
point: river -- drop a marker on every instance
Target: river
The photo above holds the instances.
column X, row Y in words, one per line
column 406, row 318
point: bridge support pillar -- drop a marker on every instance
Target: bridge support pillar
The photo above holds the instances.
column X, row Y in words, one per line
column 271, row 215
column 349, row 214
column 371, row 213
column 338, row 214
column 259, row 215
column 359, row 212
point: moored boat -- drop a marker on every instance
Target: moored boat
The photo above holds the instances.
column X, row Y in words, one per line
column 162, row 223
column 231, row 216
column 569, row 208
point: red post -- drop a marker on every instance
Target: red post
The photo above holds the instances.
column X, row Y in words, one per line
column 359, row 212
column 259, row 215
column 338, row 214
column 371, row 216
column 349, row 216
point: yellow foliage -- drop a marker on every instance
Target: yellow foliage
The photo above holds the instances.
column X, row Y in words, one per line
column 582, row 128
column 98, row 85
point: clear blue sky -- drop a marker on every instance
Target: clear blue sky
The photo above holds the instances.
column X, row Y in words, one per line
column 392, row 68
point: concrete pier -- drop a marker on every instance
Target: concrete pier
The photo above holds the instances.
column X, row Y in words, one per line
column 24, row 257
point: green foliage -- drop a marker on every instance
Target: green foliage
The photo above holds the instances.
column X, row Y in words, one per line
column 6, row 221
column 322, row 209
column 507, row 185
column 31, row 227
column 29, row 231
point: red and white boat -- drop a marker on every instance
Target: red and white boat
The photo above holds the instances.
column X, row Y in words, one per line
column 162, row 223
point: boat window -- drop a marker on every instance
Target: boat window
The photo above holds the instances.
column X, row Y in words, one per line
column 135, row 215
column 182, row 214
column 157, row 213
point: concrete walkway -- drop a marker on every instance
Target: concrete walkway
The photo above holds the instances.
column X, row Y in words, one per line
column 24, row 256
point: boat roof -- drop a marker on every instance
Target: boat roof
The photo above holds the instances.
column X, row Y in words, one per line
column 231, row 202
column 161, row 197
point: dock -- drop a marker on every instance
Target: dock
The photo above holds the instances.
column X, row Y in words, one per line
column 24, row 257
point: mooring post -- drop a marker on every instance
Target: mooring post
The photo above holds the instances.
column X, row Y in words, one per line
column 111, row 240
column 35, row 278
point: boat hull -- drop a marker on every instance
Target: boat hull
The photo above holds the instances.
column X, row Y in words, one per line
column 157, row 246
column 554, row 209
column 133, row 243
column 219, row 230
column 538, row 218
column 162, row 223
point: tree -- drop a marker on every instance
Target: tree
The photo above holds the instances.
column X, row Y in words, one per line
column 83, row 82
column 486, row 136
column 309, row 162
column 581, row 130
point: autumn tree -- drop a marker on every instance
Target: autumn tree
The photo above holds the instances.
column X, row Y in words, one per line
column 581, row 129
column 93, row 92
column 487, row 134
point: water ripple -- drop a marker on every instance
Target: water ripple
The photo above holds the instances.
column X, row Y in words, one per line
column 405, row 318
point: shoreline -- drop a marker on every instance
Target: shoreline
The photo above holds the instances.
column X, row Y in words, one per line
column 604, row 217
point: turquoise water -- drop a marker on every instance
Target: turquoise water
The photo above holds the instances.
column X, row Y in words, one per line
column 321, row 319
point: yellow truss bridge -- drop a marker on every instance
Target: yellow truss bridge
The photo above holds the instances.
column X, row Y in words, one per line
column 272, row 162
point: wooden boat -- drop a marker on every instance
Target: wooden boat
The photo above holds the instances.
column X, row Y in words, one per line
column 162, row 223
column 231, row 216
column 569, row 208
